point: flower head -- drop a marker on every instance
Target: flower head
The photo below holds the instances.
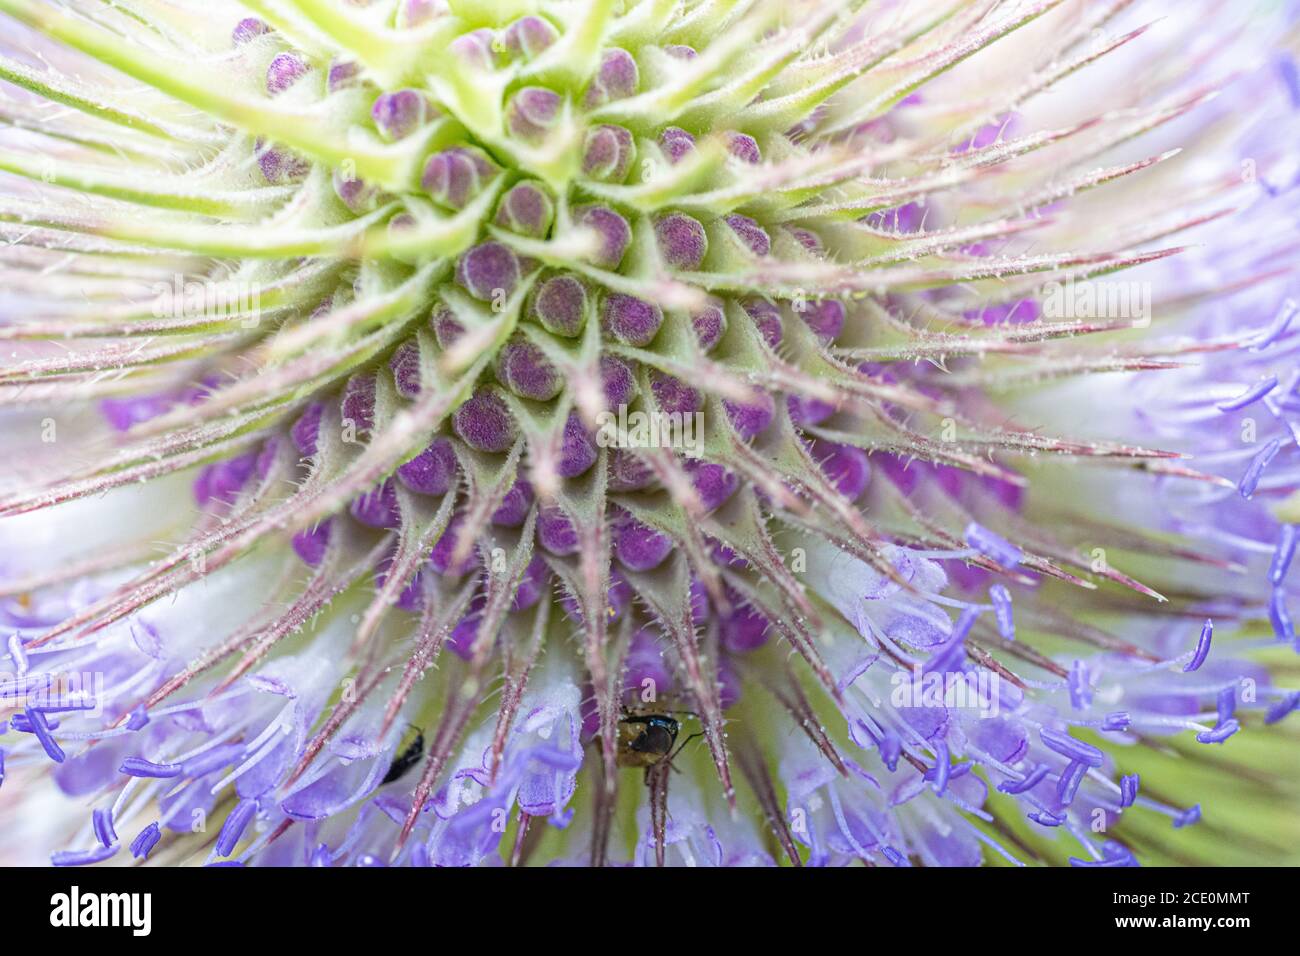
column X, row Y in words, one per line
column 494, row 399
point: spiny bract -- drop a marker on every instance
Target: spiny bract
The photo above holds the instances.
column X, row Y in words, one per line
column 538, row 364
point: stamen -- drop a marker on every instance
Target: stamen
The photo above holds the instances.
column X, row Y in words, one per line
column 102, row 824
column 1080, row 689
column 1118, row 721
column 1068, row 785
column 145, row 841
column 1202, row 647
column 234, row 826
column 1282, row 556
column 1250, row 395
column 1220, row 733
column 1227, row 703
column 83, row 857
column 36, row 721
column 1187, row 817
column 1255, row 470
column 1001, row 598
column 1283, row 708
column 139, row 767
column 1279, row 616
column 1067, row 746
column 992, row 545
column 1033, row 779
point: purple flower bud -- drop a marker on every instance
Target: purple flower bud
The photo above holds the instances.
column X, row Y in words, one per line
column 630, row 319
column 485, row 423
column 681, row 51
column 616, row 78
column 462, row 637
column 523, row 368
column 400, row 113
column 285, row 70
column 377, row 508
column 847, row 467
column 477, row 48
column 767, row 317
column 710, row 323
column 825, row 317
column 533, row 584
column 222, row 481
column 628, row 472
column 713, row 483
column 446, row 327
column 280, row 167
column 673, row 396
column 638, row 547
column 617, row 382
column 556, row 532
column 405, row 366
column 809, row 411
column 528, row 36
column 559, row 305
column 445, row 547
column 267, row 457
column 750, row 233
column 807, row 238
column 577, row 453
column 646, row 668
column 515, row 505
column 676, row 143
column 751, row 419
column 729, row 688
column 124, row 413
column 412, row 13
column 455, row 176
column 489, row 271
column 357, row 409
column 402, row 223
column 608, row 153
column 342, row 75
column 411, row 597
column 432, row 471
column 744, row 148
column 744, row 630
column 526, row 209
column 532, row 112
column 247, row 29
column 614, row 231
column 306, row 429
column 358, row 195
column 682, row 241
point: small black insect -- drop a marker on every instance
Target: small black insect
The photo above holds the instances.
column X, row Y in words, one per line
column 647, row 739
column 407, row 758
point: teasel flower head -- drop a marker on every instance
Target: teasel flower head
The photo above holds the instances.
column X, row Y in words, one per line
column 424, row 415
